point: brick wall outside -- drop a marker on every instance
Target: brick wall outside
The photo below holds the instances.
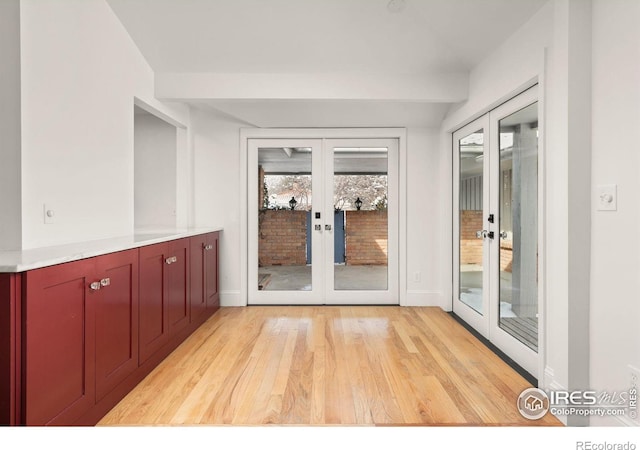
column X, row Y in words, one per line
column 470, row 245
column 283, row 237
column 506, row 255
column 366, row 237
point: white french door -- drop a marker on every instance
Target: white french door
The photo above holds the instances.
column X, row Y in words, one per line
column 323, row 221
column 496, row 231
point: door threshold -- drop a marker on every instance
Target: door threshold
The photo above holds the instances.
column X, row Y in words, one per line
column 510, row 362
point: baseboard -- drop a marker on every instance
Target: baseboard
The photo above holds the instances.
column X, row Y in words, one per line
column 423, row 298
column 231, row 298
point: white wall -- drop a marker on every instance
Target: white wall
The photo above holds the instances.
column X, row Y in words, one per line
column 80, row 73
column 427, row 249
column 615, row 241
column 216, row 196
column 10, row 166
column 155, row 173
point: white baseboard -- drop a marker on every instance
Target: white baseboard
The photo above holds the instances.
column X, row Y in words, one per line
column 231, row 298
column 423, row 298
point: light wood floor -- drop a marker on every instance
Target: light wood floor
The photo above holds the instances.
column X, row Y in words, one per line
column 328, row 365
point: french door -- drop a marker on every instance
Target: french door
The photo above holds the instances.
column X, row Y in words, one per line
column 323, row 221
column 496, row 227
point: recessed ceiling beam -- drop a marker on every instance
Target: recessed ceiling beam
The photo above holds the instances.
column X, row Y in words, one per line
column 436, row 87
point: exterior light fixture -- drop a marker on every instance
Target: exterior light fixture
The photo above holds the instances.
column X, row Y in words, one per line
column 292, row 203
column 358, row 203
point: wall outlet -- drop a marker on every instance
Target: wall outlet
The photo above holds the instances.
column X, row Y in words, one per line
column 49, row 214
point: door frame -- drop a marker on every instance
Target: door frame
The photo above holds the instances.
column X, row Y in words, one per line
column 322, row 133
column 492, row 331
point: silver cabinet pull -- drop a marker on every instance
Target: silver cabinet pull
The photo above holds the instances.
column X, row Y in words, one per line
column 105, row 282
column 504, row 234
column 481, row 234
column 327, row 227
column 95, row 286
column 171, row 260
column 208, row 247
column 318, row 227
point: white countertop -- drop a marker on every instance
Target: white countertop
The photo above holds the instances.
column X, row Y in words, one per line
column 23, row 260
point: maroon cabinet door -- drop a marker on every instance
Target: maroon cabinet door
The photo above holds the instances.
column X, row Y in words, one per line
column 177, row 269
column 197, row 277
column 116, row 320
column 153, row 311
column 211, row 270
column 59, row 363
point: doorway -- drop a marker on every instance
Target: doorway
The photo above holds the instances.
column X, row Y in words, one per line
column 496, row 231
column 323, row 221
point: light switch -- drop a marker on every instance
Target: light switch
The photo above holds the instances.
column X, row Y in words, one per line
column 607, row 197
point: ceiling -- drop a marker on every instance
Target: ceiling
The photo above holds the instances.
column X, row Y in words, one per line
column 321, row 36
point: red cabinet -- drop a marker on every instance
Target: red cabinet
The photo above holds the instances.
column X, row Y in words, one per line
column 178, row 285
column 164, row 294
column 205, row 298
column 75, row 338
column 59, row 343
column 81, row 334
column 116, row 322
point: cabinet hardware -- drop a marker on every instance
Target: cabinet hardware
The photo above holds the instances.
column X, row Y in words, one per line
column 208, row 247
column 95, row 286
column 504, row 234
column 105, row 282
column 171, row 259
column 327, row 227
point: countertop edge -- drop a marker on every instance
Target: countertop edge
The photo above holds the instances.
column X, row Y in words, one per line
column 29, row 259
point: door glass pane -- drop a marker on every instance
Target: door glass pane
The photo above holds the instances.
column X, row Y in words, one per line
column 360, row 228
column 471, row 154
column 284, row 199
column 519, row 225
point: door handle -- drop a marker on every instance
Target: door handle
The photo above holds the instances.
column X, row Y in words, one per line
column 327, row 227
column 483, row 234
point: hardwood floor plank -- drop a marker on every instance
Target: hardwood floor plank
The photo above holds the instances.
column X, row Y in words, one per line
column 328, row 365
